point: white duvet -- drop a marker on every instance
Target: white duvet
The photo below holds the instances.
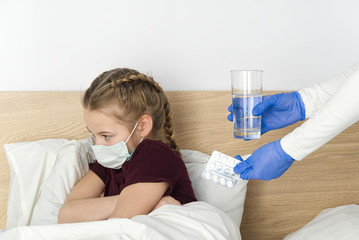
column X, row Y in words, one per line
column 43, row 173
column 196, row 220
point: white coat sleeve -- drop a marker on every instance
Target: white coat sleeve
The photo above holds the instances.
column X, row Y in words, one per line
column 336, row 111
column 315, row 96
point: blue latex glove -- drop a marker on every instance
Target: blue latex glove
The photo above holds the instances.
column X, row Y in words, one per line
column 266, row 163
column 278, row 111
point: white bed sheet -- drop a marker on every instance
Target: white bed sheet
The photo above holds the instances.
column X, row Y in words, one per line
column 339, row 223
column 196, row 220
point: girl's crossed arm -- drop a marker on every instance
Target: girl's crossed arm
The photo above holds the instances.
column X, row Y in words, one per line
column 138, row 199
column 84, row 203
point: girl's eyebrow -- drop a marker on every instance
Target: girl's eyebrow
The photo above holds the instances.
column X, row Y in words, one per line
column 100, row 133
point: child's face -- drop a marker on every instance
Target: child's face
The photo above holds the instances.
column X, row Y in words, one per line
column 106, row 129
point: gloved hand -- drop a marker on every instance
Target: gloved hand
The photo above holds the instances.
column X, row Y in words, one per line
column 266, row 163
column 278, row 111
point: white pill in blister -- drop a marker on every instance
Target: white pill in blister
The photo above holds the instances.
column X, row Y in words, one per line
column 222, row 181
column 212, row 165
column 217, row 155
column 224, row 159
column 230, row 184
column 208, row 175
column 231, row 162
column 215, row 178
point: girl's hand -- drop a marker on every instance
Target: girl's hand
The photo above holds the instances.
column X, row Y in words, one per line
column 166, row 200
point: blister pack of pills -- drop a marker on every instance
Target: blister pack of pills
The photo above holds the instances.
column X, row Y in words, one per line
column 219, row 170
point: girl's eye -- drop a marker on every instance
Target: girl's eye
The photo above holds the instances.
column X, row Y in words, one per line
column 107, row 137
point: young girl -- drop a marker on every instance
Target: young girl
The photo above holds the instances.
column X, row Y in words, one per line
column 128, row 115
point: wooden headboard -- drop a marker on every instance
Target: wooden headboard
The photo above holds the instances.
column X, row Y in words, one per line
column 327, row 178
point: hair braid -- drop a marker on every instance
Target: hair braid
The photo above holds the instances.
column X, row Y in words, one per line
column 169, row 129
column 168, row 123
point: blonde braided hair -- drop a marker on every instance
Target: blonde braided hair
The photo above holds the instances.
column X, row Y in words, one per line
column 135, row 94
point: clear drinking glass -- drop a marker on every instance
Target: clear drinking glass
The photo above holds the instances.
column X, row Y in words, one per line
column 246, row 93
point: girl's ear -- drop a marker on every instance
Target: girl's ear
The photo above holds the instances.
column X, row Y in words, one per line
column 145, row 125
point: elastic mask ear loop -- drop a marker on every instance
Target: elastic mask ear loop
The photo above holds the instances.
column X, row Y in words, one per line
column 131, row 132
column 92, row 139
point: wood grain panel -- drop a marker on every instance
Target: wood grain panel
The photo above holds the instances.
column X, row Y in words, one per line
column 326, row 178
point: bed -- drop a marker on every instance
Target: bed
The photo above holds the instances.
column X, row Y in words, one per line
column 326, row 179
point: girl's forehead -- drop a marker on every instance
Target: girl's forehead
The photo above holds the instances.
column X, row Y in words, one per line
column 112, row 112
column 97, row 120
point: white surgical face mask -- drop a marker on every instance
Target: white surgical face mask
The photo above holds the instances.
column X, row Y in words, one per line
column 112, row 156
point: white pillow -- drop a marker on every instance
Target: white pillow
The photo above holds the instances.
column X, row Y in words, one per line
column 30, row 164
column 72, row 164
column 331, row 224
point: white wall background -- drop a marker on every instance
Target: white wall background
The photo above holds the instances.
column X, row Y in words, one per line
column 184, row 44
